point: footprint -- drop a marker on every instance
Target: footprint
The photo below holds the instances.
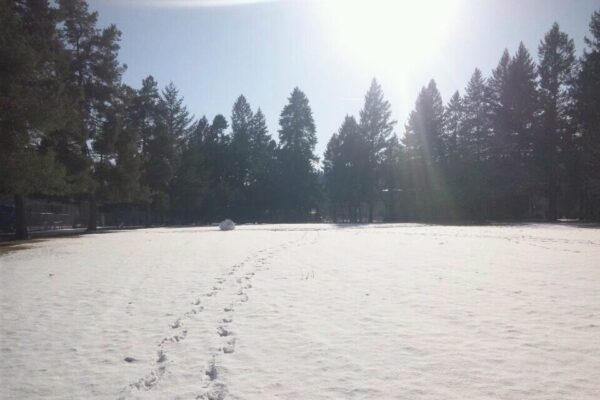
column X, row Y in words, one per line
column 223, row 332
column 175, row 338
column 228, row 308
column 211, row 371
column 229, row 347
column 176, row 324
column 227, row 320
column 244, row 298
column 161, row 357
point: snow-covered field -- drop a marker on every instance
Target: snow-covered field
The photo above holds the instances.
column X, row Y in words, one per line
column 305, row 312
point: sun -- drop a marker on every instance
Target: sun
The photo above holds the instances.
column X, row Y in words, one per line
column 387, row 33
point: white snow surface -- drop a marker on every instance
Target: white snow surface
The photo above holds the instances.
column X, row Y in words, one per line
column 305, row 312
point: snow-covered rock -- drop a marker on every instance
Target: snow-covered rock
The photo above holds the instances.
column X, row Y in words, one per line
column 227, row 225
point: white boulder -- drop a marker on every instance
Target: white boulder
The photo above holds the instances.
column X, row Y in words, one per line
column 227, row 225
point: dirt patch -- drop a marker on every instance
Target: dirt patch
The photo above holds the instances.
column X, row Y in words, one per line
column 7, row 247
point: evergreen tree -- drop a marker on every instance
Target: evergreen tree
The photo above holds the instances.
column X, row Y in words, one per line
column 475, row 145
column 96, row 72
column 262, row 169
column 392, row 180
column 377, row 127
column 452, row 134
column 34, row 102
column 216, row 152
column 345, row 165
column 241, row 126
column 514, row 109
column 165, row 146
column 145, row 114
column 556, row 64
column 177, row 120
column 452, row 129
column 128, row 161
column 297, row 183
column 191, row 182
column 587, row 94
column 425, row 150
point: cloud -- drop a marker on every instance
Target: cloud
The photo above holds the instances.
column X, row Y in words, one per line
column 188, row 3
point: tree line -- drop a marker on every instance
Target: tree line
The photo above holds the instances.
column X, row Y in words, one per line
column 71, row 129
column 522, row 143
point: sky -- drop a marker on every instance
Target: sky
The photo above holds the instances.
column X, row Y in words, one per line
column 215, row 50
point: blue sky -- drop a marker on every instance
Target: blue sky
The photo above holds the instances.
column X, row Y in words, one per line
column 215, row 50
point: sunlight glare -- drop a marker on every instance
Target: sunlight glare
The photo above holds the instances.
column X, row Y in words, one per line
column 384, row 34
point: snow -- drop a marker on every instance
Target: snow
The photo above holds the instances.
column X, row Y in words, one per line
column 305, row 312
column 227, row 225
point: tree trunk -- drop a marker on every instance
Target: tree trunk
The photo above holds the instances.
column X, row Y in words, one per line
column 21, row 232
column 553, row 198
column 93, row 216
column 370, row 211
column 148, row 216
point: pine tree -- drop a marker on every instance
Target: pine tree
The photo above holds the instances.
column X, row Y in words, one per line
column 169, row 134
column 453, row 129
column 297, row 183
column 377, row 127
column 587, row 95
column 96, row 72
column 425, row 151
column 344, row 167
column 191, row 183
column 176, row 118
column 127, row 165
column 262, row 169
column 391, row 179
column 556, row 64
column 241, row 126
column 34, row 102
column 514, row 108
column 216, row 153
column 144, row 115
column 452, row 135
column 475, row 145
